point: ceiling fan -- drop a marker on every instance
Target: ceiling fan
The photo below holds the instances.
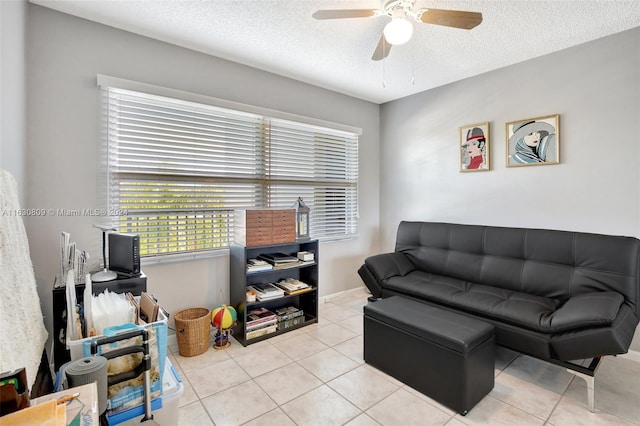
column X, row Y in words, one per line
column 399, row 29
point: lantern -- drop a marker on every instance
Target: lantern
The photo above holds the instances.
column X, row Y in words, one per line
column 223, row 318
column 302, row 220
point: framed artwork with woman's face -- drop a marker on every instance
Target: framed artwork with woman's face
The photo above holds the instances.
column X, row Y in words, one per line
column 474, row 147
column 533, row 141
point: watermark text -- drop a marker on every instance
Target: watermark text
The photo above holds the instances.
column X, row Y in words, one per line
column 57, row 212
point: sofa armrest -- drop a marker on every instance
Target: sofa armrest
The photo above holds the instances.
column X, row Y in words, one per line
column 370, row 281
column 378, row 268
column 387, row 265
column 587, row 310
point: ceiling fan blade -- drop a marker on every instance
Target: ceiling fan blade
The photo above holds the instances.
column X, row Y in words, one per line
column 451, row 18
column 344, row 13
column 382, row 50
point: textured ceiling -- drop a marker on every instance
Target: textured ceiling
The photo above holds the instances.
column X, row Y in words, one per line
column 280, row 36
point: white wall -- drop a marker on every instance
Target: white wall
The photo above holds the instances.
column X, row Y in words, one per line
column 13, row 94
column 66, row 53
column 595, row 87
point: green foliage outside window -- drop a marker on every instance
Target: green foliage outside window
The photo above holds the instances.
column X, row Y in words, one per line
column 187, row 223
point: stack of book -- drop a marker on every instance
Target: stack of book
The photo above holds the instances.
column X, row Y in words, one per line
column 260, row 321
column 256, row 265
column 306, row 256
column 293, row 286
column 266, row 291
column 277, row 259
column 289, row 317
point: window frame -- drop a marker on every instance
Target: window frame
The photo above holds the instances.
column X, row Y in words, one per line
column 269, row 119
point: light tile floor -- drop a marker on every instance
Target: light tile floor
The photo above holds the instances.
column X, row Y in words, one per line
column 316, row 376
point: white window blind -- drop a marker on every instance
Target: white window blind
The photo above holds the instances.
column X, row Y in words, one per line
column 319, row 166
column 178, row 169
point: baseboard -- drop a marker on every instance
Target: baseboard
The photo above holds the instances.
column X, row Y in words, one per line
column 328, row 298
column 631, row 355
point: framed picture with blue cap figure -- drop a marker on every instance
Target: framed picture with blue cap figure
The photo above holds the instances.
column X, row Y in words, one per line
column 474, row 147
column 533, row 141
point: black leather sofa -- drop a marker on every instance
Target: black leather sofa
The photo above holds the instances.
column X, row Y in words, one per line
column 555, row 295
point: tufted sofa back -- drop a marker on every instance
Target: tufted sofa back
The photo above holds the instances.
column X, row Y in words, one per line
column 555, row 264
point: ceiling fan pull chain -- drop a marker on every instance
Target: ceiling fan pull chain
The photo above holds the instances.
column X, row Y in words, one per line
column 384, row 60
column 384, row 84
column 413, row 64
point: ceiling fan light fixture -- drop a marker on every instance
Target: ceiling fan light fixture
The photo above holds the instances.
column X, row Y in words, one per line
column 398, row 31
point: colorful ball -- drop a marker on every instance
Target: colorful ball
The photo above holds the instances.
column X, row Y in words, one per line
column 224, row 317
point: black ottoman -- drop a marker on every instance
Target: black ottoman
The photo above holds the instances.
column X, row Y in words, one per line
column 447, row 356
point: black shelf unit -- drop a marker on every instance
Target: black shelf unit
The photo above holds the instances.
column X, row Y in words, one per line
column 240, row 279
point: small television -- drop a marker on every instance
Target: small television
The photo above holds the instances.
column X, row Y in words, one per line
column 124, row 253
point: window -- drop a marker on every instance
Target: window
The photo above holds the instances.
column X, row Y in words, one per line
column 177, row 169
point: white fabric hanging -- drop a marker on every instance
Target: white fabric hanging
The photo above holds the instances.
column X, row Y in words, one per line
column 22, row 331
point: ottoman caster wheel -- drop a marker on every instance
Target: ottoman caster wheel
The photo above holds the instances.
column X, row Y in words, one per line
column 464, row 413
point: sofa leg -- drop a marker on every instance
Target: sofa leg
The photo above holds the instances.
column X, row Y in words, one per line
column 589, row 376
column 590, row 388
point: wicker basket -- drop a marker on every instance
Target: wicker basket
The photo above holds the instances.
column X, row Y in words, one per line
column 192, row 331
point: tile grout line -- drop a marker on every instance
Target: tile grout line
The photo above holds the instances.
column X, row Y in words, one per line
column 293, row 361
column 322, row 381
column 198, row 399
column 309, row 331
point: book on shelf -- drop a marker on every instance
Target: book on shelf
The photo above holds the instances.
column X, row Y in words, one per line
column 259, row 268
column 260, row 316
column 292, row 286
column 252, row 327
column 298, row 291
column 289, row 312
column 282, row 325
column 277, row 258
column 260, row 313
column 306, row 256
column 263, row 297
column 256, row 265
column 294, row 292
column 261, row 331
column 257, row 323
column 267, row 291
column 288, row 265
